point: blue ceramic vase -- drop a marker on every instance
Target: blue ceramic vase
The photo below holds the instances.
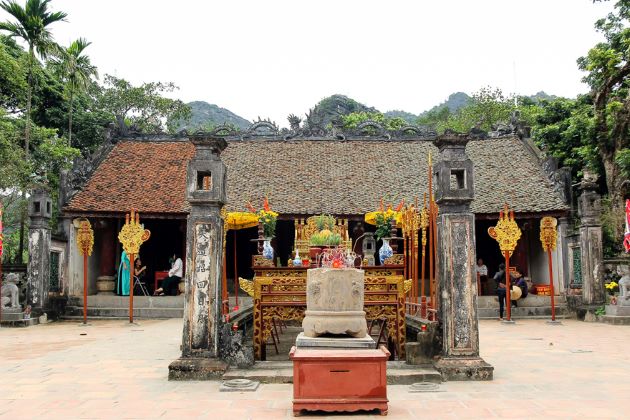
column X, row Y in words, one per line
column 386, row 251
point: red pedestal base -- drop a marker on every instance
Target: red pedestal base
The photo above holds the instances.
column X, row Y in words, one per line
column 339, row 380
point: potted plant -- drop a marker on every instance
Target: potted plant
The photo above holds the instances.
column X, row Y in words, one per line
column 267, row 219
column 324, row 237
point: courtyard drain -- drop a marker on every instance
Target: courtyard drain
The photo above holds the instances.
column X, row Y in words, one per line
column 425, row 387
column 239, row 385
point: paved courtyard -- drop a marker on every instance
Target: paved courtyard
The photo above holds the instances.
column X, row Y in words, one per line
column 112, row 370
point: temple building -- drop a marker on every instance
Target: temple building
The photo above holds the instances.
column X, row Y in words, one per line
column 305, row 173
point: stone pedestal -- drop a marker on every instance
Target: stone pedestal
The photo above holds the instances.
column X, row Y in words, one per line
column 105, row 285
column 618, row 310
column 421, row 351
column 334, row 342
column 457, row 283
column 334, row 302
column 40, row 212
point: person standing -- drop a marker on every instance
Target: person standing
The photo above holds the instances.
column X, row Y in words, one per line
column 123, row 274
column 482, row 273
column 499, row 278
column 171, row 283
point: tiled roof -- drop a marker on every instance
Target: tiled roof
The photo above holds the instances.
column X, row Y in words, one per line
column 315, row 176
column 150, row 176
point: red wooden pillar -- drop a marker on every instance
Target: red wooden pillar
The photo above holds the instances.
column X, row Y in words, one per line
column 107, row 263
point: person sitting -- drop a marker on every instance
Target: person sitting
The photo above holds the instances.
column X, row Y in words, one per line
column 522, row 284
column 517, row 280
column 140, row 271
column 171, row 283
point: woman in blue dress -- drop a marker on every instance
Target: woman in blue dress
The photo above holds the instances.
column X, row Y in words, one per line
column 123, row 275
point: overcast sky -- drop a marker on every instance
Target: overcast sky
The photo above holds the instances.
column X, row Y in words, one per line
column 272, row 58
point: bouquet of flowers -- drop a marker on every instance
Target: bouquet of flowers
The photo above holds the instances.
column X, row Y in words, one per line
column 266, row 217
column 612, row 287
column 385, row 218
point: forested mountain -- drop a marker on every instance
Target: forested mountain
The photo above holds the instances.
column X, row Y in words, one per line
column 407, row 116
column 335, row 106
column 207, row 116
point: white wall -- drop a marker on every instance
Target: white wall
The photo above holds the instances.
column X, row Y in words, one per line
column 538, row 261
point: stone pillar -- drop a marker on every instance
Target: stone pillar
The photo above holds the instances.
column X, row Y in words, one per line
column 40, row 212
column 591, row 249
column 106, row 282
column 562, row 253
column 206, row 193
column 457, row 283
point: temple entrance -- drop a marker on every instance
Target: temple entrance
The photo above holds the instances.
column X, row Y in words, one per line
column 168, row 236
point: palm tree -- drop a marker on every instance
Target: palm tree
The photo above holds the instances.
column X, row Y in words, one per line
column 77, row 70
column 31, row 24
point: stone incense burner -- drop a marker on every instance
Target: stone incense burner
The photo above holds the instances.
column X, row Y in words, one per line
column 334, row 303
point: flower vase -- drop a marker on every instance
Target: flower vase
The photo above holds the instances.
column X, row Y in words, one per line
column 385, row 252
column 297, row 261
column 267, row 249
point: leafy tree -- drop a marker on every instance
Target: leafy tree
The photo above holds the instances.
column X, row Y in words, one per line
column 486, row 108
column 141, row 106
column 13, row 165
column 77, row 71
column 564, row 129
column 32, row 25
column 12, row 76
column 608, row 67
column 352, row 121
column 435, row 117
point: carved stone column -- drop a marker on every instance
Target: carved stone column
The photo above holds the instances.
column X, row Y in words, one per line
column 591, row 249
column 206, row 193
column 40, row 212
column 456, row 263
column 562, row 253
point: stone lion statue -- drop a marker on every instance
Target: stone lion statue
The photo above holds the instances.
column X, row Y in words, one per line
column 10, row 292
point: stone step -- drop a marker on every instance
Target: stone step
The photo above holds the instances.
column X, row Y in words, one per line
column 398, row 373
column 264, row 372
column 18, row 323
column 113, row 301
column 73, row 312
column 614, row 319
column 537, row 312
column 529, row 301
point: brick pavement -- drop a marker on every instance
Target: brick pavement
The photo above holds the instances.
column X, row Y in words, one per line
column 577, row 370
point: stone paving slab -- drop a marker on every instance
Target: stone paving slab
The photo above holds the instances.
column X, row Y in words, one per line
column 53, row 371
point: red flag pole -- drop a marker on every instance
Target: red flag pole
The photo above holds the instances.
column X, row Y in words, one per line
column 235, row 273
column 551, row 291
column 85, row 269
column 508, row 298
column 131, row 259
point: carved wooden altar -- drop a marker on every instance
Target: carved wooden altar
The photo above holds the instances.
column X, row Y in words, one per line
column 280, row 292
